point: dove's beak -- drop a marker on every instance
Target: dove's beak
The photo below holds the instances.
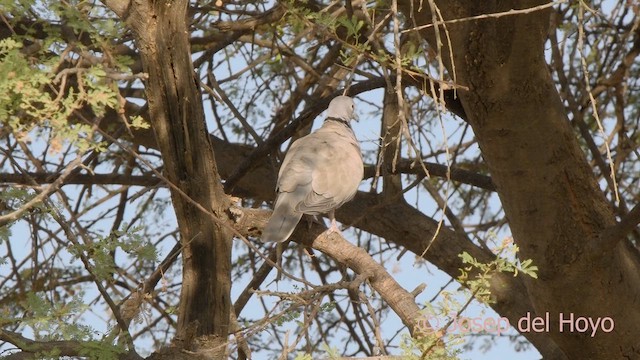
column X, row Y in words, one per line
column 355, row 116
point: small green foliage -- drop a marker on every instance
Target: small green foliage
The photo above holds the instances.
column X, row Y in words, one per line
column 100, row 252
column 428, row 346
column 328, row 306
column 352, row 25
column 329, row 353
column 526, row 267
column 479, row 283
column 33, row 96
column 100, row 351
column 14, row 198
column 54, row 320
column 132, row 242
column 288, row 316
column 429, row 335
column 5, row 233
column 137, row 122
column 323, row 19
column 89, row 349
column 43, row 85
column 332, row 352
column 439, row 334
column 172, row 310
column 303, row 356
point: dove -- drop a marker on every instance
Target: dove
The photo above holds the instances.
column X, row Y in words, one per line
column 320, row 172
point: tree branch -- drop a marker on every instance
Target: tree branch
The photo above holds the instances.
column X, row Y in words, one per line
column 404, row 166
column 356, row 258
column 80, row 179
column 614, row 234
column 238, row 29
column 31, row 347
column 119, row 7
column 55, row 185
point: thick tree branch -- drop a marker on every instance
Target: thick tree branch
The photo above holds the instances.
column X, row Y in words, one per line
column 390, row 144
column 356, row 258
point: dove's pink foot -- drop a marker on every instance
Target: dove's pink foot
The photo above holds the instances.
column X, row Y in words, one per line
column 333, row 228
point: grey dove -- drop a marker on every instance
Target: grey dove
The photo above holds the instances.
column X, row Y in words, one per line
column 320, row 172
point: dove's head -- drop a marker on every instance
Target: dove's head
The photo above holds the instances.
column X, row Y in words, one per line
column 343, row 108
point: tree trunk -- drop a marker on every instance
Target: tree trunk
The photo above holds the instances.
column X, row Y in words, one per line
column 556, row 211
column 177, row 117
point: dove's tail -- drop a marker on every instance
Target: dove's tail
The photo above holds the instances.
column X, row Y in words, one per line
column 284, row 219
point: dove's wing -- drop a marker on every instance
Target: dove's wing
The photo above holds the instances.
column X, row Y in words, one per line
column 294, row 185
column 338, row 170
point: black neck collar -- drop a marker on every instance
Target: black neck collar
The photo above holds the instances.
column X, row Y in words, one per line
column 342, row 121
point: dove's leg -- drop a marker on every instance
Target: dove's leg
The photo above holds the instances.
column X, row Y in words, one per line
column 334, row 225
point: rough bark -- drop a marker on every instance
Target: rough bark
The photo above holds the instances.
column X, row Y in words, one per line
column 550, row 196
column 177, row 118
